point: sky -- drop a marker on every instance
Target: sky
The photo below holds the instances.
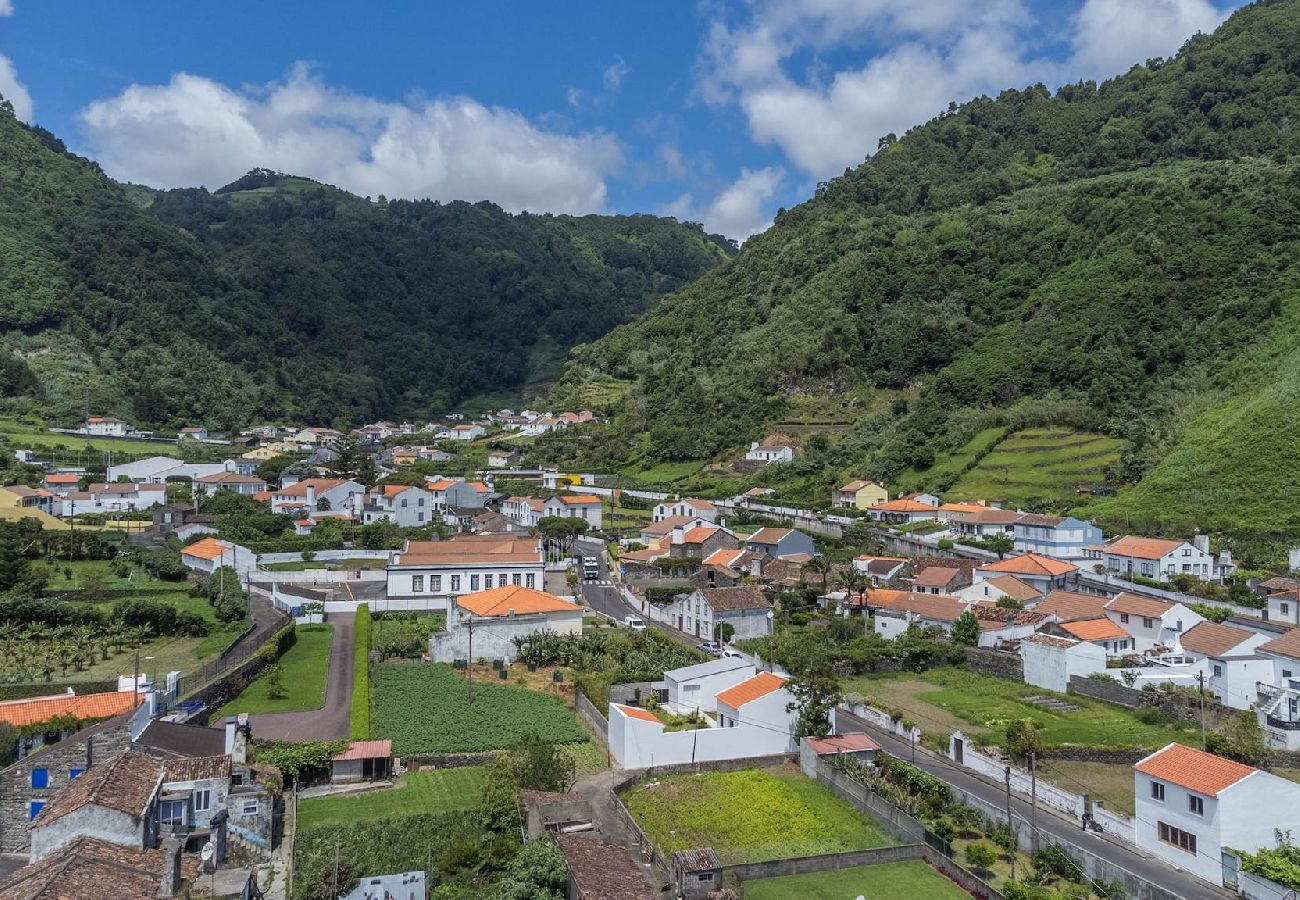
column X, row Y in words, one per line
column 718, row 111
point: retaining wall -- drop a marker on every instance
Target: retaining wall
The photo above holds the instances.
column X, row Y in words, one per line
column 996, row 663
column 1184, row 707
column 826, row 862
column 623, row 780
column 589, row 714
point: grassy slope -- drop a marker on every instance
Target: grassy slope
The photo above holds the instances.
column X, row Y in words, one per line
column 443, row 790
column 303, row 665
column 1038, row 464
column 912, row 880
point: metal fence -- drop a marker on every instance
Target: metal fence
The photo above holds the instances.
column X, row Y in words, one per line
column 235, row 655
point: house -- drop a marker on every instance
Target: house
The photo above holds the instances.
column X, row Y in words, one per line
column 313, row 494
column 465, row 432
column 1234, row 668
column 694, row 687
column 1284, row 607
column 209, row 554
column 38, row 499
column 526, row 511
column 1279, row 697
column 402, row 504
column 432, row 572
column 703, row 612
column 858, row 495
column 106, row 426
column 600, row 870
column 880, row 569
column 388, row 887
column 504, row 459
column 86, row 867
column 770, row 451
column 572, row 506
column 685, row 509
column 1115, row 641
column 248, row 485
column 62, row 483
column 775, row 543
column 1060, row 537
column 902, row 511
column 316, row 437
column 62, row 715
column 1191, row 805
column 1150, row 622
column 461, row 494
column 654, row 532
column 544, row 424
column 1001, row 587
column 924, row 610
column 118, row 497
column 162, row 469
column 939, row 580
column 485, row 624
column 194, row 432
column 855, row 744
column 1128, row 556
column 362, row 761
column 115, row 800
column 1001, row 626
column 258, row 455
column 701, row 542
column 1069, row 606
column 1050, row 662
column 761, row 701
column 1040, row 572
column 985, row 523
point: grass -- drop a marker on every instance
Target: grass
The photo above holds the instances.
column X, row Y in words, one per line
column 433, row 791
column 911, row 880
column 23, row 435
column 1039, row 464
column 1112, row 783
column 222, row 636
column 948, row 699
column 303, row 667
column 750, row 815
column 950, row 465
column 664, row 472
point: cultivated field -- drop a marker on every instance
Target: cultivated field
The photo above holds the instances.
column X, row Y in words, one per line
column 1042, row 464
column 750, row 815
column 910, row 880
column 433, row 791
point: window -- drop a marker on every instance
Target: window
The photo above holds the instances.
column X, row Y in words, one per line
column 1218, row 671
column 1123, row 618
column 202, row 801
column 1195, row 805
column 1286, row 673
column 1183, row 840
column 1284, row 608
column 250, row 807
column 403, row 503
column 1187, row 552
column 35, row 807
column 515, row 579
column 40, row 778
column 237, row 779
column 419, row 502
column 1158, row 792
column 171, row 812
column 455, row 584
column 530, row 580
column 473, row 582
column 419, row 517
column 1178, row 625
column 435, row 582
column 417, row 583
column 73, row 773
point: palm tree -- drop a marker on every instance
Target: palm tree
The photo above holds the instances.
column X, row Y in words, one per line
column 851, row 580
column 819, row 564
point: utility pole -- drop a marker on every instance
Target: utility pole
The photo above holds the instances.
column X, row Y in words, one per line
column 469, row 661
column 1033, row 801
column 1011, row 823
column 1200, row 678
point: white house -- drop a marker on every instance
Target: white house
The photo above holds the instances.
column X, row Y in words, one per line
column 101, row 498
column 686, row 509
column 1051, row 661
column 209, row 554
column 434, row 571
column 486, row 624
column 464, row 432
column 654, row 532
column 1110, row 637
column 193, row 432
column 880, row 569
column 1279, row 706
column 695, row 687
column 1150, row 622
column 311, row 494
column 770, row 451
column 524, row 510
column 761, row 701
column 1233, row 668
column 106, row 426
column 402, row 504
column 573, row 506
column 1284, row 608
column 894, row 615
column 999, row 587
column 160, row 469
column 985, row 523
column 230, row 481
column 1155, row 558
column 744, row 607
column 1192, row 805
column 903, row 511
column 1042, row 573
column 1055, row 536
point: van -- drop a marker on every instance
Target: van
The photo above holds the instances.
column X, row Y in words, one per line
column 634, row 622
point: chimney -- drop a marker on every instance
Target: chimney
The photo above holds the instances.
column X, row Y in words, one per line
column 1201, row 542
column 311, row 496
column 170, row 885
column 230, row 735
column 679, row 534
column 239, row 749
column 753, row 445
column 756, row 568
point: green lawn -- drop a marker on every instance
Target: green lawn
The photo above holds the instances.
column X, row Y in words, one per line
column 303, row 669
column 750, row 815
column 673, row 471
column 435, row 791
column 87, row 572
column 945, row 699
column 1035, row 464
column 23, row 434
column 900, row 881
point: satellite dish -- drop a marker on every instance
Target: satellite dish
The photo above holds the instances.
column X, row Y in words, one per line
column 207, row 852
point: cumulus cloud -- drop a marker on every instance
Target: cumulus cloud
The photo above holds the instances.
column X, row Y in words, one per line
column 1112, row 35
column 6, row 7
column 740, row 211
column 13, row 90
column 193, row 130
column 613, row 76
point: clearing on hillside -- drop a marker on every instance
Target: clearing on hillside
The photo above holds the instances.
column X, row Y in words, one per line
column 1043, row 465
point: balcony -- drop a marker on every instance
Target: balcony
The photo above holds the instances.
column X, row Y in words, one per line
column 1267, row 689
column 1283, row 724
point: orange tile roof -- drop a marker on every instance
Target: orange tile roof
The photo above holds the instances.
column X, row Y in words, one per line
column 1287, row 645
column 441, row 484
column 723, row 557
column 882, row 597
column 1095, row 630
column 367, row 750
column 935, row 607
column 63, row 478
column 1140, row 547
column 750, row 689
column 264, row 495
column 1069, row 606
column 500, row 601
column 479, row 487
column 768, row 535
column 663, row 526
column 904, row 506
column 81, row 707
column 936, row 576
column 320, row 485
column 962, row 507
column 1213, row 639
column 208, row 548
column 1014, row 588
column 700, row 533
column 580, row 500
column 634, row 712
column 1030, row 564
column 1193, row 769
column 1139, row 606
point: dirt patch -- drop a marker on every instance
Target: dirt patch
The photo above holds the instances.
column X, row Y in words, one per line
column 908, row 696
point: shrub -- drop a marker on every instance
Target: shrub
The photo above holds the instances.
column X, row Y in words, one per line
column 981, row 856
column 359, row 728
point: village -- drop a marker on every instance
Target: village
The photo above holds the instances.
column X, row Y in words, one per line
column 953, row 689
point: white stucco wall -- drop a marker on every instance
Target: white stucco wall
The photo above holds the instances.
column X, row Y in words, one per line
column 1051, row 667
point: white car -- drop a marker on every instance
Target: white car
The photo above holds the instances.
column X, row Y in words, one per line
column 729, row 653
column 635, row 623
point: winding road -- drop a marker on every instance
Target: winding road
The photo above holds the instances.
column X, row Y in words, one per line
column 330, row 722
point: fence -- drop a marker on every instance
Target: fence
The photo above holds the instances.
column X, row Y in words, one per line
column 267, row 559
column 587, row 710
column 826, row 862
column 238, row 653
column 1021, row 781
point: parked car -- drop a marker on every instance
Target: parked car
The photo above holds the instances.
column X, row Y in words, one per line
column 634, row 622
column 711, row 647
column 729, row 653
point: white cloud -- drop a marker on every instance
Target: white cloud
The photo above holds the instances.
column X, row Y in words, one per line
column 681, row 209
column 671, row 157
column 1112, row 35
column 6, row 7
column 193, row 130
column 740, row 211
column 574, row 96
column 13, row 90
column 613, row 75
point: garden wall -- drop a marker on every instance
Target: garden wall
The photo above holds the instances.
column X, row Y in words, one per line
column 1021, row 782
column 625, row 779
column 1185, row 707
column 826, row 862
column 996, row 663
column 889, row 817
column 589, row 714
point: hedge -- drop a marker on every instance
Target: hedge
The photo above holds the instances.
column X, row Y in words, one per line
column 359, row 729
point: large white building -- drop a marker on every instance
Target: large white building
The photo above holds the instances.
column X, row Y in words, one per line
column 317, row 494
column 1058, row 537
column 1232, row 667
column 1151, row 622
column 161, row 469
column 574, row 506
column 402, row 504
column 1156, row 558
column 1192, row 805
column 1050, row 662
column 437, row 571
column 695, row 687
column 685, row 508
column 769, row 452
column 1279, row 706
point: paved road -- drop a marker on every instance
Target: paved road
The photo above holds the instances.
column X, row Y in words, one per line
column 332, row 721
column 1049, row 823
column 605, row 595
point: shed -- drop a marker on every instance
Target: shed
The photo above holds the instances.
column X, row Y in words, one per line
column 363, row 761
column 697, row 872
column 855, row 744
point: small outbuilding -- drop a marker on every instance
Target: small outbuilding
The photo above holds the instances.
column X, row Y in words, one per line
column 363, row 761
column 855, row 744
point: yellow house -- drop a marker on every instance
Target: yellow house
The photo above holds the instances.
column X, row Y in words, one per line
column 859, row 495
column 260, row 454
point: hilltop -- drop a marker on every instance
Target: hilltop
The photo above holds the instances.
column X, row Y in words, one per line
column 1117, row 259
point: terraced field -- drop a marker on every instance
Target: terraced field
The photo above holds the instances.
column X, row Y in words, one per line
column 1039, row 464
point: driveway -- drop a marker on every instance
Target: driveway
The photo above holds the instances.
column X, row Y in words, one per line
column 1055, row 827
column 332, row 721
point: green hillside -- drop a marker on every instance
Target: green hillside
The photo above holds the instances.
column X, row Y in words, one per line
column 1107, row 259
column 1039, row 467
column 280, row 296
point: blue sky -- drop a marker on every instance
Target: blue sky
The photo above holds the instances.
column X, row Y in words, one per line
column 715, row 111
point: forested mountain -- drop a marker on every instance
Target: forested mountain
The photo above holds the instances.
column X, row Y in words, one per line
column 279, row 296
column 1118, row 257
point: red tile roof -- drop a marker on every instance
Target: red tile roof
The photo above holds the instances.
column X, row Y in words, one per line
column 936, row 576
column 842, row 743
column 1095, row 630
column 1287, row 645
column 1031, row 564
column 1193, row 769
column 81, row 707
column 633, row 712
column 750, row 689
column 208, row 548
column 1140, row 547
column 521, row 600
column 1213, row 639
column 1069, row 606
column 366, row 750
column 903, row 506
column 1139, row 606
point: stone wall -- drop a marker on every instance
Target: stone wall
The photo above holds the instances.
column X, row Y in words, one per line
column 446, row 760
column 996, row 663
column 227, row 687
column 825, row 862
column 1181, row 706
column 589, row 714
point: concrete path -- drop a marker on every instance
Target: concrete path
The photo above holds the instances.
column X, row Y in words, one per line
column 595, row 789
column 331, row 722
column 1055, row 827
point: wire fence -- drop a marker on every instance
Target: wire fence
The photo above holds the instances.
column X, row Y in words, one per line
column 248, row 646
